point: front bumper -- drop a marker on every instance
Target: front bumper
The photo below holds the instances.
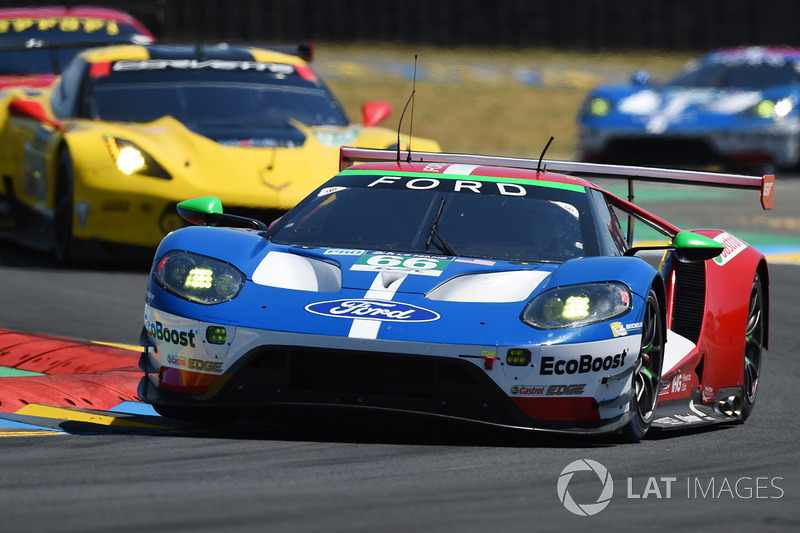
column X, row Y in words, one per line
column 779, row 146
column 563, row 389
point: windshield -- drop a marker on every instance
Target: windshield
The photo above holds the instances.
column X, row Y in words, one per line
column 742, row 74
column 469, row 217
column 208, row 97
column 46, row 46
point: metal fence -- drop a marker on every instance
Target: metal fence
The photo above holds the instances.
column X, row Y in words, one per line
column 573, row 24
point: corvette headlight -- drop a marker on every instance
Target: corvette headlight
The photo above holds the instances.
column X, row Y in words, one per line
column 198, row 278
column 599, row 107
column 131, row 159
column 577, row 305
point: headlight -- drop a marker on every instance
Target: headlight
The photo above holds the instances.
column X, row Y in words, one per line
column 767, row 109
column 599, row 107
column 578, row 305
column 131, row 159
column 198, row 278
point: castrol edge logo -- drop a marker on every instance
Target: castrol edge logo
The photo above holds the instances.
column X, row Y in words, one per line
column 733, row 246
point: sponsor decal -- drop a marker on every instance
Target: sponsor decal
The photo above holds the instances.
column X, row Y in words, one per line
column 733, row 246
column 337, row 138
column 330, row 190
column 569, row 208
column 480, row 185
column 264, row 142
column 194, row 64
column 680, row 383
column 483, row 262
column 708, row 393
column 66, row 24
column 548, row 390
column 214, row 367
column 528, row 390
column 618, row 329
column 382, row 310
column 173, row 336
column 341, row 251
column 413, row 264
column 582, row 365
column 682, row 419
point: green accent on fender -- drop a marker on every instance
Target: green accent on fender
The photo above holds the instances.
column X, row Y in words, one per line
column 746, row 360
column 647, row 373
column 490, row 179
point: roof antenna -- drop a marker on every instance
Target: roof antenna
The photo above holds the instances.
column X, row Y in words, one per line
column 546, row 146
column 410, row 101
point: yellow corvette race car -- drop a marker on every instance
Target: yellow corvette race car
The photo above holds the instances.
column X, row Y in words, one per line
column 101, row 157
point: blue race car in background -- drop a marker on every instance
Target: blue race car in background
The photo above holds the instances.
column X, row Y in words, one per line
column 737, row 107
column 467, row 287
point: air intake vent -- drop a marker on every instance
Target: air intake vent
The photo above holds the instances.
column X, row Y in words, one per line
column 690, row 298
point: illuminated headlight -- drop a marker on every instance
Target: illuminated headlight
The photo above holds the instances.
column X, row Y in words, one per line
column 198, row 278
column 767, row 109
column 578, row 305
column 130, row 159
column 599, row 107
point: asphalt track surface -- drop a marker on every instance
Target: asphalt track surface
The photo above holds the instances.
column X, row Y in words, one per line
column 389, row 475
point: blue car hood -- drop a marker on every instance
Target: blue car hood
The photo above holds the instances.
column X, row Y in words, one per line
column 659, row 109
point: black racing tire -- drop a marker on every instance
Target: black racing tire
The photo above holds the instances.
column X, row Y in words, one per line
column 754, row 347
column 64, row 209
column 648, row 372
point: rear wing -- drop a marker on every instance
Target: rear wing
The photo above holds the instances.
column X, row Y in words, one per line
column 765, row 184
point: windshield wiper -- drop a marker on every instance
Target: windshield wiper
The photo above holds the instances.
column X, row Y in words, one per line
column 445, row 247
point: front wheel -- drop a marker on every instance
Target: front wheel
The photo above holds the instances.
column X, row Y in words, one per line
column 754, row 345
column 648, row 372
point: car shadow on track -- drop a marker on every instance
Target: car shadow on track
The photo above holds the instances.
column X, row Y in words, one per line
column 16, row 256
column 402, row 429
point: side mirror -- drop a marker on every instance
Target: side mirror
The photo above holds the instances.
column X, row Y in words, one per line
column 375, row 112
column 207, row 211
column 32, row 109
column 693, row 248
column 689, row 247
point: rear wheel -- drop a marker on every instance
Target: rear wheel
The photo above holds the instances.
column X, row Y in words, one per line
column 753, row 348
column 647, row 375
column 63, row 211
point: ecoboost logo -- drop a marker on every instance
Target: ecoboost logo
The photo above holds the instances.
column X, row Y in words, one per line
column 585, row 509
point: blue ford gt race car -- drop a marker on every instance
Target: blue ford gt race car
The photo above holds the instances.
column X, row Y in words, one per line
column 496, row 290
column 736, row 108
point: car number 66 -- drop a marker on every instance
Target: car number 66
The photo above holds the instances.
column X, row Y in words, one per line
column 415, row 263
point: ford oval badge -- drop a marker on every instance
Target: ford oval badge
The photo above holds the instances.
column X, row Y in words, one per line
column 383, row 310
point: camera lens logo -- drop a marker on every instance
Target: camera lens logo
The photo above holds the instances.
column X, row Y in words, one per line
column 586, row 509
